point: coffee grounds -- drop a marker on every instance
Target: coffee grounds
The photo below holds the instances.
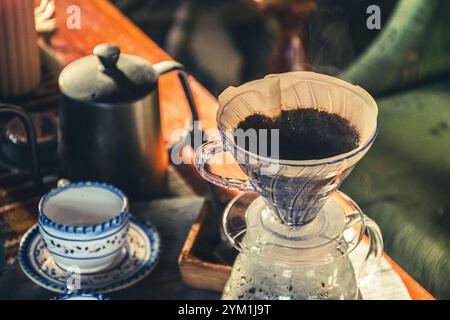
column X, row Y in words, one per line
column 306, row 134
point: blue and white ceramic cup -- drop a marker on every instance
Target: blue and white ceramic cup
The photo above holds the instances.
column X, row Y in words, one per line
column 84, row 225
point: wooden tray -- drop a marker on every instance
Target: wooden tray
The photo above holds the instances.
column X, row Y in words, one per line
column 199, row 266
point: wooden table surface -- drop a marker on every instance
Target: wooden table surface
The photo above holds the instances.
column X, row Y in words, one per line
column 102, row 22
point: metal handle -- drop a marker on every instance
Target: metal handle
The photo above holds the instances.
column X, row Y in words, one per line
column 169, row 66
column 31, row 136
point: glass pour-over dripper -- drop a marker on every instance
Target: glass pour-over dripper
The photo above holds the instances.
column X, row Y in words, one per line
column 293, row 239
column 294, row 190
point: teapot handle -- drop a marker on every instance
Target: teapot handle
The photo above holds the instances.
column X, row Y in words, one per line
column 31, row 136
column 169, row 66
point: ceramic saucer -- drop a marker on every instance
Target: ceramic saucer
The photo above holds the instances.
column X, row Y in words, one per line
column 83, row 296
column 136, row 261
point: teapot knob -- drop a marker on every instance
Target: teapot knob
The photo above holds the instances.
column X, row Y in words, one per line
column 108, row 54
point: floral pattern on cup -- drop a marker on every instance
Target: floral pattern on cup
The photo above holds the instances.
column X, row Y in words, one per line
column 85, row 248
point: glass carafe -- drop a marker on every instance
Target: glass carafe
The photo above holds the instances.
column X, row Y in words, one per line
column 277, row 261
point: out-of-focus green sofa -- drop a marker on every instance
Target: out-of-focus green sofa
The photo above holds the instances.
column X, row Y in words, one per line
column 404, row 181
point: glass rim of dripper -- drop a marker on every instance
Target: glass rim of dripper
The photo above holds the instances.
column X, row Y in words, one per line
column 312, row 77
column 306, row 163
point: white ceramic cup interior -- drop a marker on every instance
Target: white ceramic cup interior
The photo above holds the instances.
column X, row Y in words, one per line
column 83, row 206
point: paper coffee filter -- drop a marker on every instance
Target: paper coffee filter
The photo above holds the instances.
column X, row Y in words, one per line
column 292, row 90
column 259, row 96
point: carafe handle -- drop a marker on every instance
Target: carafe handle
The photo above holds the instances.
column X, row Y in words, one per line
column 234, row 224
column 368, row 228
column 375, row 252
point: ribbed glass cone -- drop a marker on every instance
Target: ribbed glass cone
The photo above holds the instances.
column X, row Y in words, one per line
column 297, row 190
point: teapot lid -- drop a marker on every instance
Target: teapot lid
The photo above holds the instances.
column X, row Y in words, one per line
column 107, row 76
